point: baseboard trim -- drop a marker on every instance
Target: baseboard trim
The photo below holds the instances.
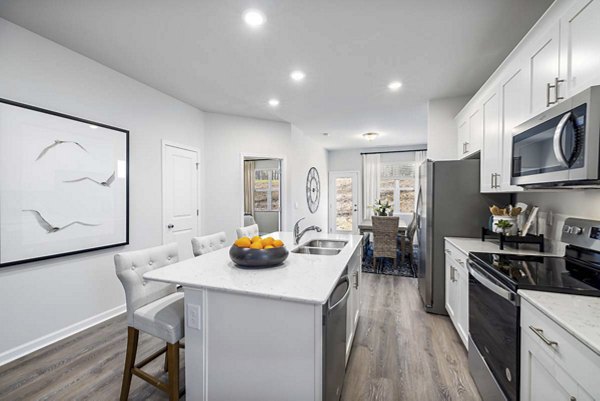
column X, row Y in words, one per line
column 44, row 341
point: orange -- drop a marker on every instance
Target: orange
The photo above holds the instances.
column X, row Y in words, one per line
column 255, row 238
column 257, row 245
column 278, row 243
column 269, row 247
column 243, row 242
column 268, row 241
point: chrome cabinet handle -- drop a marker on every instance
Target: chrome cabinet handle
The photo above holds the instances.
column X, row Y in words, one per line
column 448, row 251
column 540, row 334
column 557, row 83
column 452, row 274
column 356, row 280
column 548, row 87
column 467, row 147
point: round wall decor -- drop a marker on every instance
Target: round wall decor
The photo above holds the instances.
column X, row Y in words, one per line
column 313, row 189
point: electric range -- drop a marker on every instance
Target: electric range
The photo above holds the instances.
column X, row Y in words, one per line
column 494, row 313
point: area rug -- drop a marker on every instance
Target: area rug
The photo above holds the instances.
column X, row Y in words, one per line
column 386, row 265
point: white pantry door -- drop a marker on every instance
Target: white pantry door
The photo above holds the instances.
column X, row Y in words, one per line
column 343, row 202
column 180, row 197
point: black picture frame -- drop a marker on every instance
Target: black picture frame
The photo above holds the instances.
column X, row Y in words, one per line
column 89, row 122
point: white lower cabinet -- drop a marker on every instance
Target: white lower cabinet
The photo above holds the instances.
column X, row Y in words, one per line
column 353, row 305
column 457, row 291
column 554, row 364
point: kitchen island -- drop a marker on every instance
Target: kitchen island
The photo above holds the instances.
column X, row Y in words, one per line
column 261, row 334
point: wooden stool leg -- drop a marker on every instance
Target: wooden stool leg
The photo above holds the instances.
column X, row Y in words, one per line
column 166, row 367
column 132, row 343
column 173, row 358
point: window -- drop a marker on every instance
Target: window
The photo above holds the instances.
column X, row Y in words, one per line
column 266, row 190
column 397, row 185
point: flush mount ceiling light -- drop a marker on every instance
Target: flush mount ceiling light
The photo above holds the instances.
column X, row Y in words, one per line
column 254, row 18
column 369, row 136
column 394, row 85
column 273, row 102
column 297, row 75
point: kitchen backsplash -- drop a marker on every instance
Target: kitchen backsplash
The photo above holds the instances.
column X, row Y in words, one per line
column 556, row 206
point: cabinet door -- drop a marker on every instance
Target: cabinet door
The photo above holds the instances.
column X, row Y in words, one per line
column 580, row 53
column 475, row 132
column 462, row 282
column 538, row 375
column 492, row 145
column 463, row 137
column 544, row 63
column 514, row 111
column 450, row 287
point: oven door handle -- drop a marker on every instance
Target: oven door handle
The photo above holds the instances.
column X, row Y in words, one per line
column 557, row 141
column 506, row 294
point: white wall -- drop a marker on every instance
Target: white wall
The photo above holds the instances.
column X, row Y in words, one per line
column 42, row 298
column 442, row 135
column 227, row 138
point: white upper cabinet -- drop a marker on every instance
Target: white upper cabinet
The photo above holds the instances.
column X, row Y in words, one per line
column 545, row 84
column 557, row 59
column 491, row 151
column 580, row 39
column 513, row 112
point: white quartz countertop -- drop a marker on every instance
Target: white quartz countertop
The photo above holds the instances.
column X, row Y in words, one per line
column 577, row 314
column 491, row 246
column 303, row 278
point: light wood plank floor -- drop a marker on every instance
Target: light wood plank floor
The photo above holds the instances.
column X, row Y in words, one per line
column 400, row 353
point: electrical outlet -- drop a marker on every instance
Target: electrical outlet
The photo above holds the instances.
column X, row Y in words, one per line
column 193, row 316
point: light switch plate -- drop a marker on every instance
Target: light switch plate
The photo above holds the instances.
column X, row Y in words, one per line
column 193, row 316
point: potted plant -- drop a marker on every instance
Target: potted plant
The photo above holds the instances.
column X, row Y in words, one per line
column 382, row 207
column 503, row 226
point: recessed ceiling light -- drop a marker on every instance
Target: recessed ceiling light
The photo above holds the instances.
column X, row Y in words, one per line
column 254, row 18
column 273, row 102
column 369, row 136
column 394, row 85
column 297, row 75
column 325, row 134
column 93, row 126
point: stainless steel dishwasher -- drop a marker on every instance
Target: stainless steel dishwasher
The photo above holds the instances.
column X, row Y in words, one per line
column 334, row 339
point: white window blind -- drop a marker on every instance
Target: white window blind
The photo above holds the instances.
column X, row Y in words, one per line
column 398, row 170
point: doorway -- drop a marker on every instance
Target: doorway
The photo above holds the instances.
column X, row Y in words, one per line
column 262, row 201
column 180, row 196
column 343, row 202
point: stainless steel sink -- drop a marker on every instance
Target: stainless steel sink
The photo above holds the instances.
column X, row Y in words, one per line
column 327, row 243
column 307, row 250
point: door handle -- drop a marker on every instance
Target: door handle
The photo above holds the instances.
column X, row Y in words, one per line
column 540, row 334
column 170, row 226
column 355, row 208
column 557, row 140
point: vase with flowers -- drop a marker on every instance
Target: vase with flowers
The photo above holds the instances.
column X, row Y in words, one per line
column 382, row 208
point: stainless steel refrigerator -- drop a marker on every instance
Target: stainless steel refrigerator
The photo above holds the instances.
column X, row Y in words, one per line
column 448, row 205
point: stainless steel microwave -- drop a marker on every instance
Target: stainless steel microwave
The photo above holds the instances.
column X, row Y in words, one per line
column 560, row 147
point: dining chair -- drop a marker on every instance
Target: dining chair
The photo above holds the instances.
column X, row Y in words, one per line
column 154, row 308
column 249, row 220
column 250, row 231
column 208, row 243
column 406, row 240
column 385, row 238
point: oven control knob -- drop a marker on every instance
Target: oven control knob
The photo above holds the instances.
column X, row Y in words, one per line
column 576, row 230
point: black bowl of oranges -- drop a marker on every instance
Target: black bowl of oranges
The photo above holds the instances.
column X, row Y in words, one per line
column 257, row 252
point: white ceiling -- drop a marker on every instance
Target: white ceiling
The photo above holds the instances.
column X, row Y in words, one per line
column 202, row 53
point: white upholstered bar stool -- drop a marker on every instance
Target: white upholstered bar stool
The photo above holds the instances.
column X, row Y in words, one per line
column 154, row 308
column 208, row 243
column 250, row 231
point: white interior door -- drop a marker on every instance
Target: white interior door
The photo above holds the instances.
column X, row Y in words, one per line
column 343, row 202
column 180, row 197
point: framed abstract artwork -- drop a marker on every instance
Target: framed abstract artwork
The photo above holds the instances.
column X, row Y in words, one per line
column 64, row 184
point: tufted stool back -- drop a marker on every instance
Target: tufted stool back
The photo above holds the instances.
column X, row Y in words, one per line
column 208, row 243
column 131, row 266
column 249, row 231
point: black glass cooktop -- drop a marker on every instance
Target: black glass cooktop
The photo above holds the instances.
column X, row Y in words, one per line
column 576, row 273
